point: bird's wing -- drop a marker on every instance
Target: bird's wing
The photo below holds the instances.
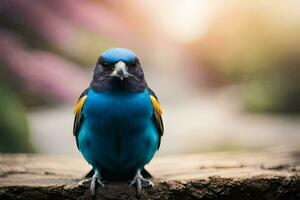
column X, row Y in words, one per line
column 78, row 116
column 157, row 114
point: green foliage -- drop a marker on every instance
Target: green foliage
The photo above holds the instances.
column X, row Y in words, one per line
column 255, row 46
column 14, row 135
column 273, row 92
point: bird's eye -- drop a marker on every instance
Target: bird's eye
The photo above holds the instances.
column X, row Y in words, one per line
column 104, row 64
column 133, row 63
column 108, row 66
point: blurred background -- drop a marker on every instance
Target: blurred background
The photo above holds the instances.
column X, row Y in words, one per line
column 227, row 72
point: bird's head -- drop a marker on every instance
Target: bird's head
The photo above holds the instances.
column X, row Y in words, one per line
column 118, row 69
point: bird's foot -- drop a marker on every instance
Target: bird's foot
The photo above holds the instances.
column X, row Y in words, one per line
column 140, row 182
column 96, row 180
column 83, row 182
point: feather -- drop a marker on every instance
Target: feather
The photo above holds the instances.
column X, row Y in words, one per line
column 78, row 117
column 156, row 106
column 79, row 105
column 157, row 114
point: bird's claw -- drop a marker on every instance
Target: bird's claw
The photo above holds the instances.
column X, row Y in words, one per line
column 140, row 182
column 83, row 182
column 96, row 180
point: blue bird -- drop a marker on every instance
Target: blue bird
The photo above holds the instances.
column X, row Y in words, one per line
column 118, row 124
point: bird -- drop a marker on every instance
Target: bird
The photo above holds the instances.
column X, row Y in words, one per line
column 118, row 121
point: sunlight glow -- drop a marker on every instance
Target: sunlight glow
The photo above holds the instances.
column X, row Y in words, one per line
column 185, row 20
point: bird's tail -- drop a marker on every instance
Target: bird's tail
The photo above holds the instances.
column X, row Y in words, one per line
column 145, row 174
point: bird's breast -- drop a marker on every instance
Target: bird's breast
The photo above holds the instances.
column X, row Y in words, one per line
column 118, row 110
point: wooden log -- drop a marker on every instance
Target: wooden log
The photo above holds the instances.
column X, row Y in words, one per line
column 271, row 174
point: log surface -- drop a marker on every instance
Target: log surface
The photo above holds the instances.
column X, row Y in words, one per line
column 269, row 174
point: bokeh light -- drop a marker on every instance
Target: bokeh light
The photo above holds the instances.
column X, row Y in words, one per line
column 226, row 72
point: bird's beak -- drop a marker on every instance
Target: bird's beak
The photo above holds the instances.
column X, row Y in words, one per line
column 120, row 70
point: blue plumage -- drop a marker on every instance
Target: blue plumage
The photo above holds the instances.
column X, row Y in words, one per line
column 118, row 122
column 118, row 133
column 116, row 54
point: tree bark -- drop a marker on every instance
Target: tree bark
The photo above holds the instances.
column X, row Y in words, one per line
column 272, row 174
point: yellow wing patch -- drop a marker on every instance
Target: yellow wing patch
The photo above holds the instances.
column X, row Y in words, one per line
column 156, row 105
column 79, row 105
